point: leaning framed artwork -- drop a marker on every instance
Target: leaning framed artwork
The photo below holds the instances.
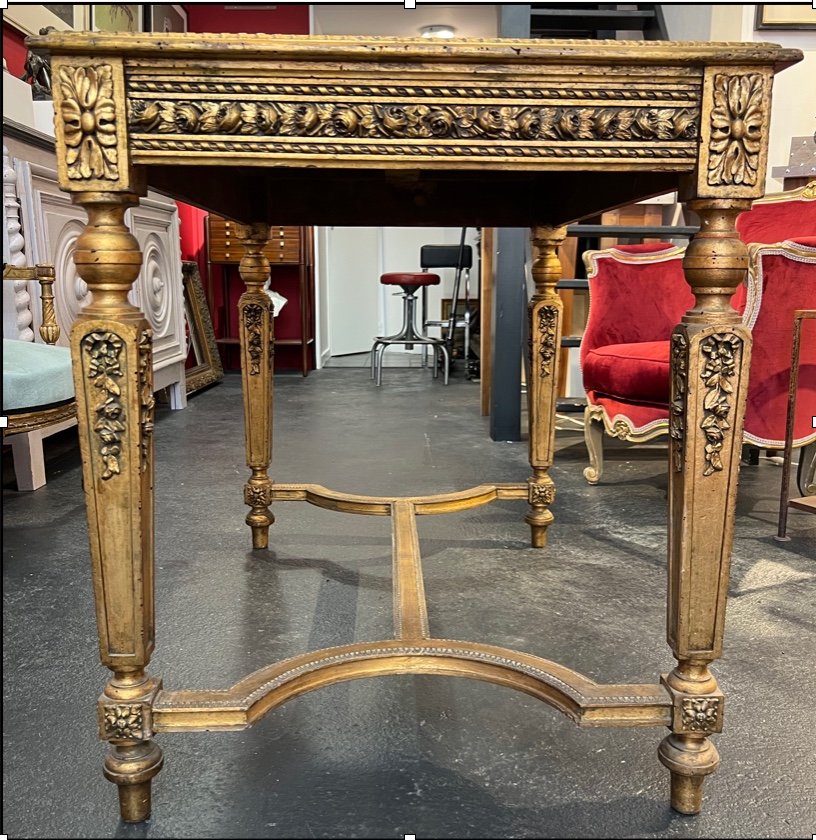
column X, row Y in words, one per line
column 165, row 18
column 203, row 366
column 785, row 16
column 116, row 17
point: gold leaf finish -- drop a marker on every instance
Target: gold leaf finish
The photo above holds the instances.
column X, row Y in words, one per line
column 338, row 125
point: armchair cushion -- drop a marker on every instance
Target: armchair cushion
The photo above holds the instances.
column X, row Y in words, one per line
column 35, row 375
column 636, row 371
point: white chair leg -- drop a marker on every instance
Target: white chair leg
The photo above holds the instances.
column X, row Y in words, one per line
column 593, row 435
column 29, row 461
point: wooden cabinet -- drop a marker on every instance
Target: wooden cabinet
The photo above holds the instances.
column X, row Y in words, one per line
column 290, row 253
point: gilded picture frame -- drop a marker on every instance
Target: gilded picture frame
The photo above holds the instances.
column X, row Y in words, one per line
column 204, row 362
column 785, row 16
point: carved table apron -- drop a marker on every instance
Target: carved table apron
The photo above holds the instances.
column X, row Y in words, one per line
column 361, row 131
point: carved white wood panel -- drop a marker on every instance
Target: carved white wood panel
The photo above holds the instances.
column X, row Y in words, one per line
column 159, row 288
column 53, row 224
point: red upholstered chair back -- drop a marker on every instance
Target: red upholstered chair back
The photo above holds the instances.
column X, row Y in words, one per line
column 637, row 293
column 777, row 218
column 786, row 276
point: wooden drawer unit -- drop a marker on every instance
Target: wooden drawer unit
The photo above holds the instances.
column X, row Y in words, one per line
column 290, row 254
column 225, row 247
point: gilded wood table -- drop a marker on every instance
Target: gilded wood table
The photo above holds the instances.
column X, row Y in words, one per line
column 311, row 131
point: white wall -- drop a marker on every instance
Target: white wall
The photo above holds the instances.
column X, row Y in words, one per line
column 686, row 22
column 357, row 306
column 794, row 95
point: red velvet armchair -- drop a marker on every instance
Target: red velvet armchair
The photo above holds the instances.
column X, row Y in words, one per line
column 638, row 295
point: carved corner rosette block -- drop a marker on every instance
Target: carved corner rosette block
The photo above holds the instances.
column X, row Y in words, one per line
column 695, row 714
column 734, row 132
column 540, row 494
column 128, row 719
column 258, row 495
column 90, row 122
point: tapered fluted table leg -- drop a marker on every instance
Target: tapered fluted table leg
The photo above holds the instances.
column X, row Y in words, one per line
column 256, row 329
column 545, row 311
column 710, row 357
column 111, row 344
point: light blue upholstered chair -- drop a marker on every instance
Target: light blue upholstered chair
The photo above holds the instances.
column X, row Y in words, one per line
column 38, row 387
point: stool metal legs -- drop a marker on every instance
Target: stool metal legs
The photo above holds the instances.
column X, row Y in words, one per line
column 407, row 336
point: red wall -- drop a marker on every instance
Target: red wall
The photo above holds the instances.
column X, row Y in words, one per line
column 286, row 19
column 14, row 50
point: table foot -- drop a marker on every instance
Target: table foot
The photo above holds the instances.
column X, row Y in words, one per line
column 132, row 768
column 540, row 495
column 689, row 758
column 538, row 528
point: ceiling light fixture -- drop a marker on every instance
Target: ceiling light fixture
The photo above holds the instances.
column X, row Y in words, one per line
column 437, row 31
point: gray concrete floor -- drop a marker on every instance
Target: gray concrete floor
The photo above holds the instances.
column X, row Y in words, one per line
column 430, row 756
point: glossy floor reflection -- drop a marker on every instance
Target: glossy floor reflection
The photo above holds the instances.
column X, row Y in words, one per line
column 430, row 756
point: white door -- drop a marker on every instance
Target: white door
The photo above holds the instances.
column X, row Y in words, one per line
column 353, row 268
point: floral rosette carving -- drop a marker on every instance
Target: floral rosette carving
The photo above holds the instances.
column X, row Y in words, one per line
column 541, row 494
column 88, row 115
column 103, row 351
column 736, row 129
column 719, row 368
column 414, row 121
column 123, row 721
column 700, row 713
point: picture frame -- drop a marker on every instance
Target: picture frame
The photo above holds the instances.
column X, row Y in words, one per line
column 165, row 18
column 203, row 367
column 785, row 16
column 116, row 17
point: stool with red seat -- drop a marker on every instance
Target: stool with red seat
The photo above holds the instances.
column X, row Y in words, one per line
column 408, row 336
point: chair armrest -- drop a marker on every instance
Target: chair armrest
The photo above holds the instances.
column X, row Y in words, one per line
column 45, row 275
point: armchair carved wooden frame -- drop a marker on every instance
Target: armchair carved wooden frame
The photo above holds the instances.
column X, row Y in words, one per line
column 636, row 297
column 27, row 426
column 359, row 131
